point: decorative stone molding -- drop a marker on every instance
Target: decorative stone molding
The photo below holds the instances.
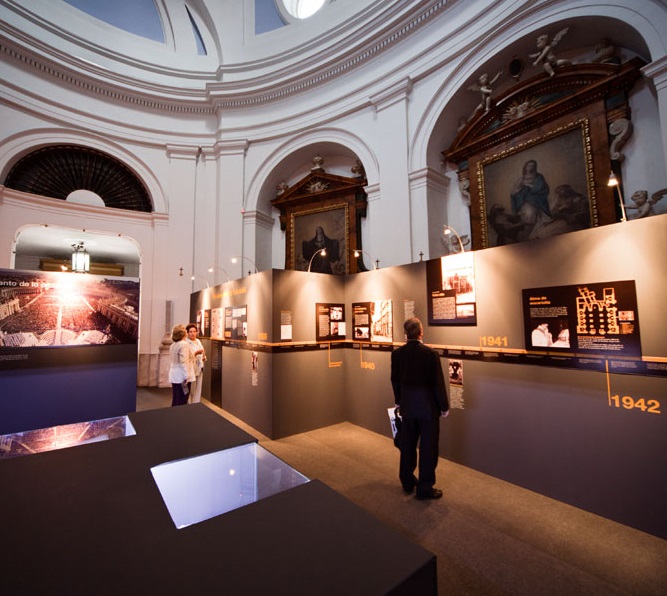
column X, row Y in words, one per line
column 258, row 218
column 218, row 95
column 232, row 147
column 88, row 84
column 429, row 178
column 394, row 94
column 164, row 360
column 325, row 75
column 372, row 192
column 17, row 198
column 621, row 130
column 186, row 152
column 657, row 72
column 464, row 189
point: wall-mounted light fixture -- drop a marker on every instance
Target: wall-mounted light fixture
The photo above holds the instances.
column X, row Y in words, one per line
column 212, row 269
column 194, row 277
column 80, row 258
column 357, row 253
column 322, row 252
column 449, row 231
column 236, row 260
column 613, row 181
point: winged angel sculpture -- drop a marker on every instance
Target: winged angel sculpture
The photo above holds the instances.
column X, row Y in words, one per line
column 545, row 54
column 485, row 87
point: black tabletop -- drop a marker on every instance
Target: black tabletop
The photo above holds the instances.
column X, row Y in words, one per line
column 90, row 520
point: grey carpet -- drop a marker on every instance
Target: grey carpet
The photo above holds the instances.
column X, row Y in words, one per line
column 491, row 538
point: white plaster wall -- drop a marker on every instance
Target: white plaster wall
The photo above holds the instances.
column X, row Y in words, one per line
column 148, row 231
column 210, row 141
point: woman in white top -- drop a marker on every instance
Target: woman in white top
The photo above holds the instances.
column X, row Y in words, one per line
column 200, row 357
column 181, row 366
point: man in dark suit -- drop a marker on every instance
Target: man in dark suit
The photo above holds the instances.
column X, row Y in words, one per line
column 421, row 396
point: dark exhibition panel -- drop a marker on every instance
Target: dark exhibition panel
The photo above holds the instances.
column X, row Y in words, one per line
column 274, row 392
column 70, row 389
column 90, row 519
column 579, row 424
column 68, row 348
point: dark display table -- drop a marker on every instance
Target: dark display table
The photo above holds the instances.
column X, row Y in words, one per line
column 90, row 520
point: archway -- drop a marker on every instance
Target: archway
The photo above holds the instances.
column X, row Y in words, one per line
column 49, row 248
column 57, row 171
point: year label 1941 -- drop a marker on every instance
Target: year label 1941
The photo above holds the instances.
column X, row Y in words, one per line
column 493, row 341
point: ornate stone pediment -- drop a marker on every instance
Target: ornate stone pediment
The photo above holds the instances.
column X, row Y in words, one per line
column 568, row 126
column 322, row 203
column 318, row 187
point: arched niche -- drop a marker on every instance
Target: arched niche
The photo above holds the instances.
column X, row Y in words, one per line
column 321, row 215
column 49, row 248
column 57, row 171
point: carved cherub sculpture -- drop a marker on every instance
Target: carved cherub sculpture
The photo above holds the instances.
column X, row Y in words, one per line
column 545, row 54
column 605, row 52
column 642, row 204
column 485, row 87
column 358, row 170
column 462, row 122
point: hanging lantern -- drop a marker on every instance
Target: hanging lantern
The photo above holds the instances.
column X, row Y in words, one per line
column 80, row 259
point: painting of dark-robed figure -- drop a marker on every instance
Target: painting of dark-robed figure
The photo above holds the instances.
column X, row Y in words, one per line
column 321, row 263
column 321, row 228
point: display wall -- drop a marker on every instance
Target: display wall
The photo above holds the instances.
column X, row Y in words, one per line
column 569, row 430
column 68, row 348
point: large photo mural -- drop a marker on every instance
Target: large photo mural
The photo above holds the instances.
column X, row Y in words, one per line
column 46, row 309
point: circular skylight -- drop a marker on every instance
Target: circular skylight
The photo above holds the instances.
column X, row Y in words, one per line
column 302, row 9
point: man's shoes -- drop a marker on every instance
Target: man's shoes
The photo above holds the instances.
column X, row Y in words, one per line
column 410, row 487
column 434, row 493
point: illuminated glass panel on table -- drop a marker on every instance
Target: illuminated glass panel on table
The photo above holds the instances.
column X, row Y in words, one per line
column 66, row 435
column 199, row 488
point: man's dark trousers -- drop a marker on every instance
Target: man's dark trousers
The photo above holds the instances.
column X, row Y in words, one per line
column 426, row 431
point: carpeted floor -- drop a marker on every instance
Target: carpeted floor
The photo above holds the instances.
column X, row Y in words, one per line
column 491, row 538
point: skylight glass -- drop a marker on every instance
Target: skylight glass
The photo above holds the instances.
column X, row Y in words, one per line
column 201, row 48
column 302, row 9
column 135, row 16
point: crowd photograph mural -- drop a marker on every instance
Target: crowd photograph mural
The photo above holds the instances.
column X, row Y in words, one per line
column 45, row 309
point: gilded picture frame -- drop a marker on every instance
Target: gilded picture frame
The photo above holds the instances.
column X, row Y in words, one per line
column 314, row 229
column 542, row 186
column 566, row 125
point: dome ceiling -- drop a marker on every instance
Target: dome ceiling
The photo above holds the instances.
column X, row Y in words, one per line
column 134, row 16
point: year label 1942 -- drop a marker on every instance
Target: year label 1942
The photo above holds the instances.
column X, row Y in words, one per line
column 651, row 406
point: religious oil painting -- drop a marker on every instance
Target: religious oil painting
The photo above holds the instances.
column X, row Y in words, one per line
column 539, row 189
column 320, row 241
